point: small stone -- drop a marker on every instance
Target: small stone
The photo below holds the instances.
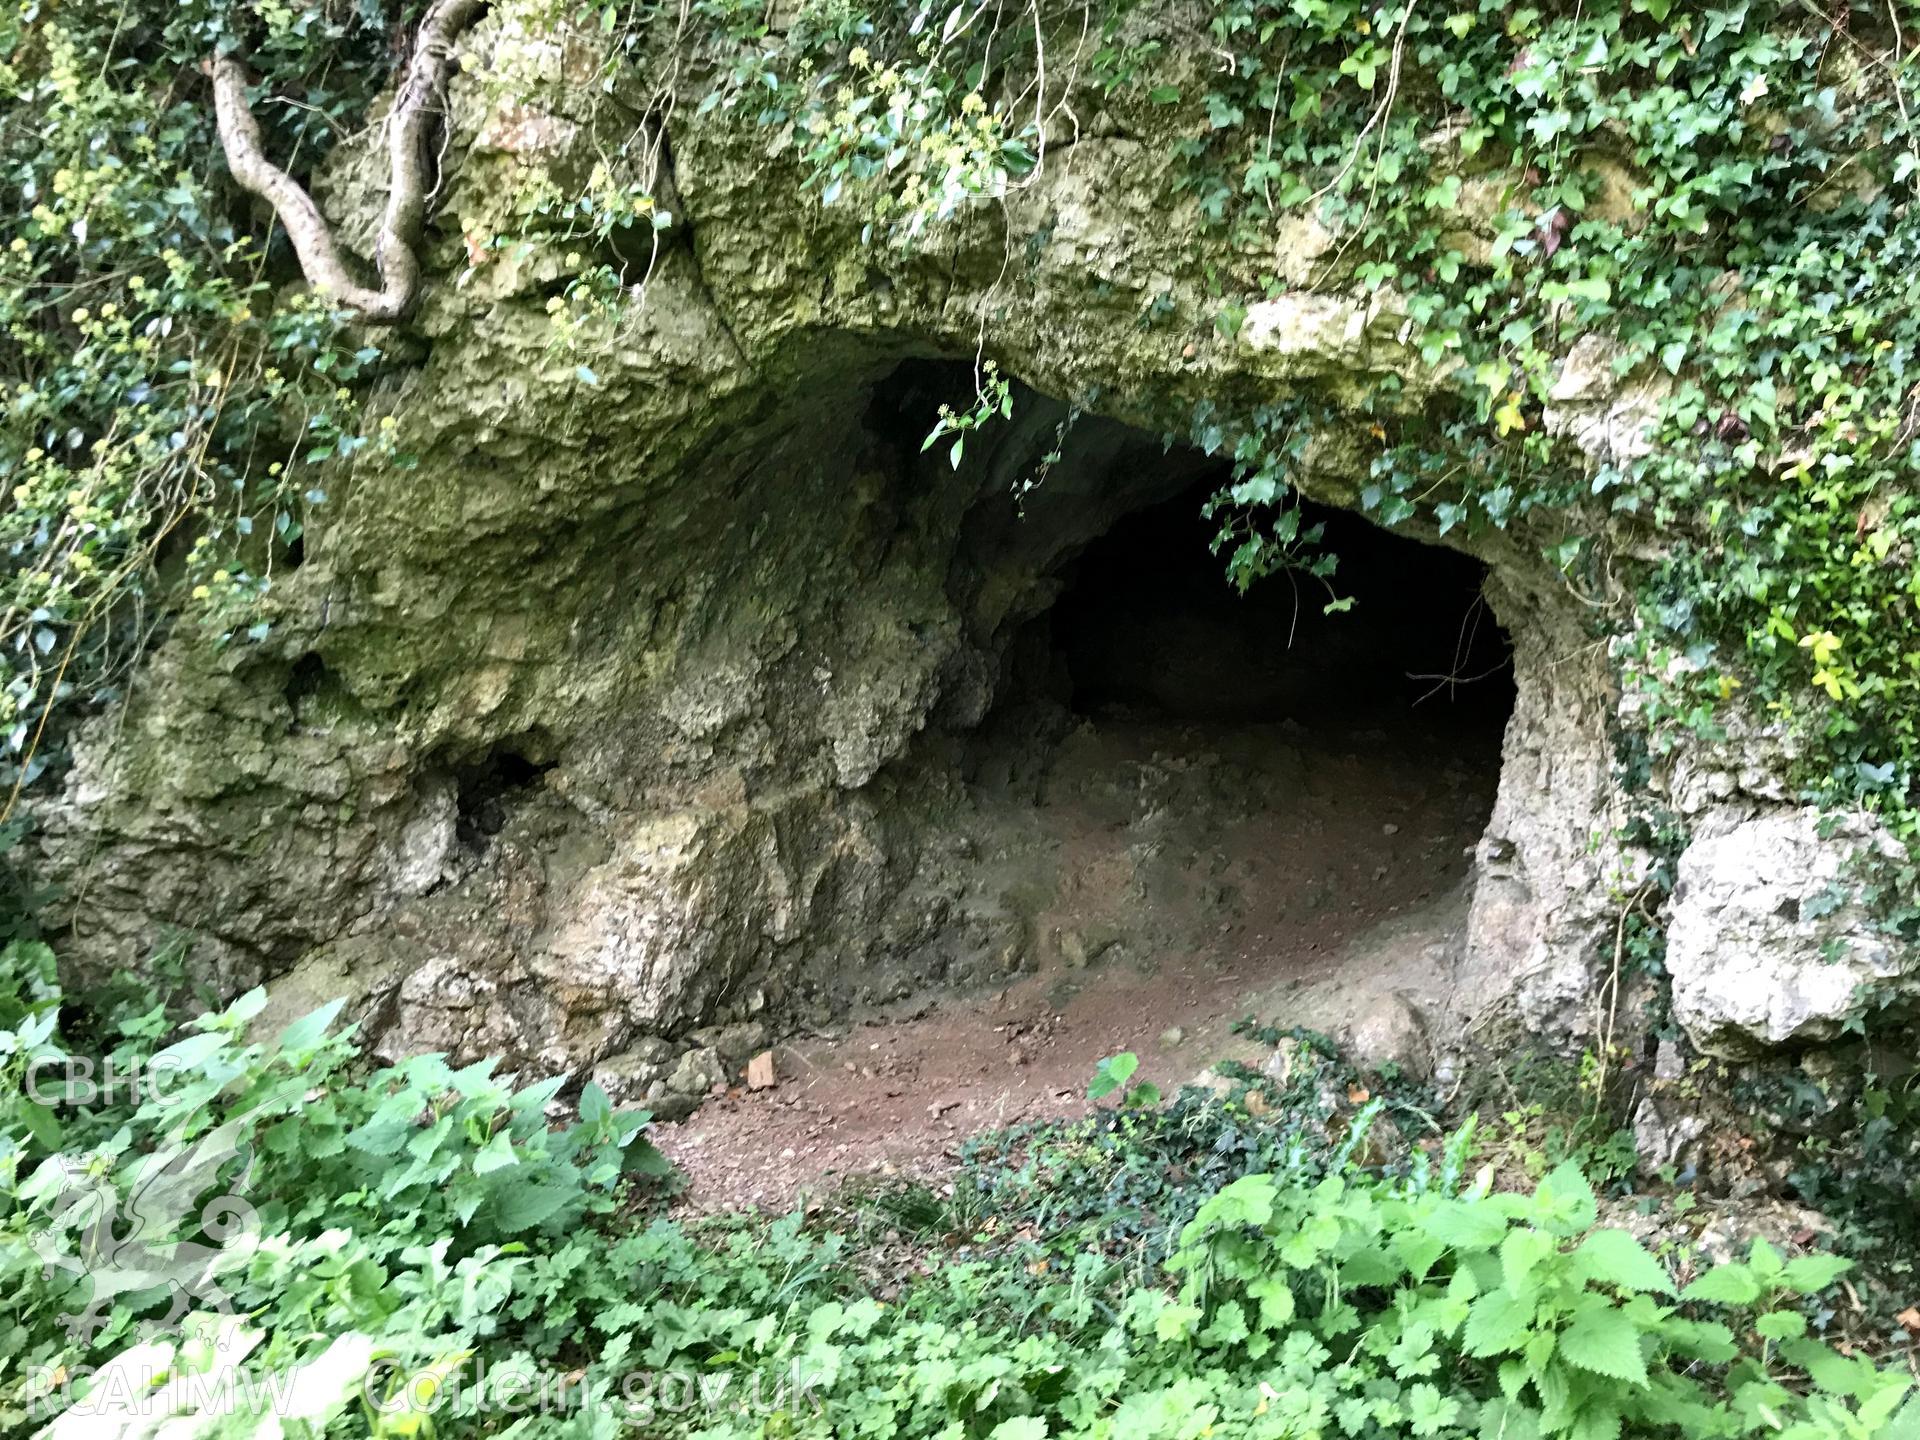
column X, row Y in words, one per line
column 1172, row 1038
column 1668, row 1062
column 1211, row 1079
column 1278, row 1067
column 736, row 1043
column 1389, row 829
column 1392, row 1031
column 760, row 1074
column 697, row 1072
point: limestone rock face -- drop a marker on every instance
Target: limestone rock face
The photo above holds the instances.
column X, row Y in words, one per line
column 604, row 721
column 1608, row 417
column 1768, row 943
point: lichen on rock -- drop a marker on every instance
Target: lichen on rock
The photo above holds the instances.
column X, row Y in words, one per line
column 694, row 573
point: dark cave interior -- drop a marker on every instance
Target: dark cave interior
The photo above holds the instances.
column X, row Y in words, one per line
column 1149, row 623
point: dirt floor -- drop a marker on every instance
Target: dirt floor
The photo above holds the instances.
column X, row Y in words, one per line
column 1198, row 874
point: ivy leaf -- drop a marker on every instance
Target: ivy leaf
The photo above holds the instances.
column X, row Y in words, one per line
column 1605, row 1342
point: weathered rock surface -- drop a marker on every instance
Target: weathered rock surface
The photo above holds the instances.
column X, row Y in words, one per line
column 1768, row 942
column 1392, row 1031
column 619, row 714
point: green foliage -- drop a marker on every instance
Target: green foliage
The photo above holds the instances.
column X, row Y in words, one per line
column 1538, row 1111
column 1112, row 1076
column 1535, row 1322
column 344, row 1215
column 993, row 398
column 1757, row 267
column 1857, row 1158
column 169, row 411
column 428, row 1256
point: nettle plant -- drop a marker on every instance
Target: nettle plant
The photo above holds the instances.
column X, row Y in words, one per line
column 1403, row 1310
column 236, row 1206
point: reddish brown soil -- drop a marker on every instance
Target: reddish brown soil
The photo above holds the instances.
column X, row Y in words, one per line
column 1347, row 890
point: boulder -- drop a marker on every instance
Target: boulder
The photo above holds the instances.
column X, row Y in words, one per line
column 1768, row 941
column 1391, row 1031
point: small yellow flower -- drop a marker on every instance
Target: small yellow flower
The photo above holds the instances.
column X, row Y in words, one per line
column 221, row 577
column 201, row 592
column 859, row 58
column 81, row 316
column 973, row 104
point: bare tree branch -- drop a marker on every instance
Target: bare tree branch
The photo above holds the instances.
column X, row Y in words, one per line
column 409, row 126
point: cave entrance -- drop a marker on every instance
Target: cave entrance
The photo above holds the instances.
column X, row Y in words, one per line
column 1143, row 806
column 1234, row 802
column 1398, row 638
